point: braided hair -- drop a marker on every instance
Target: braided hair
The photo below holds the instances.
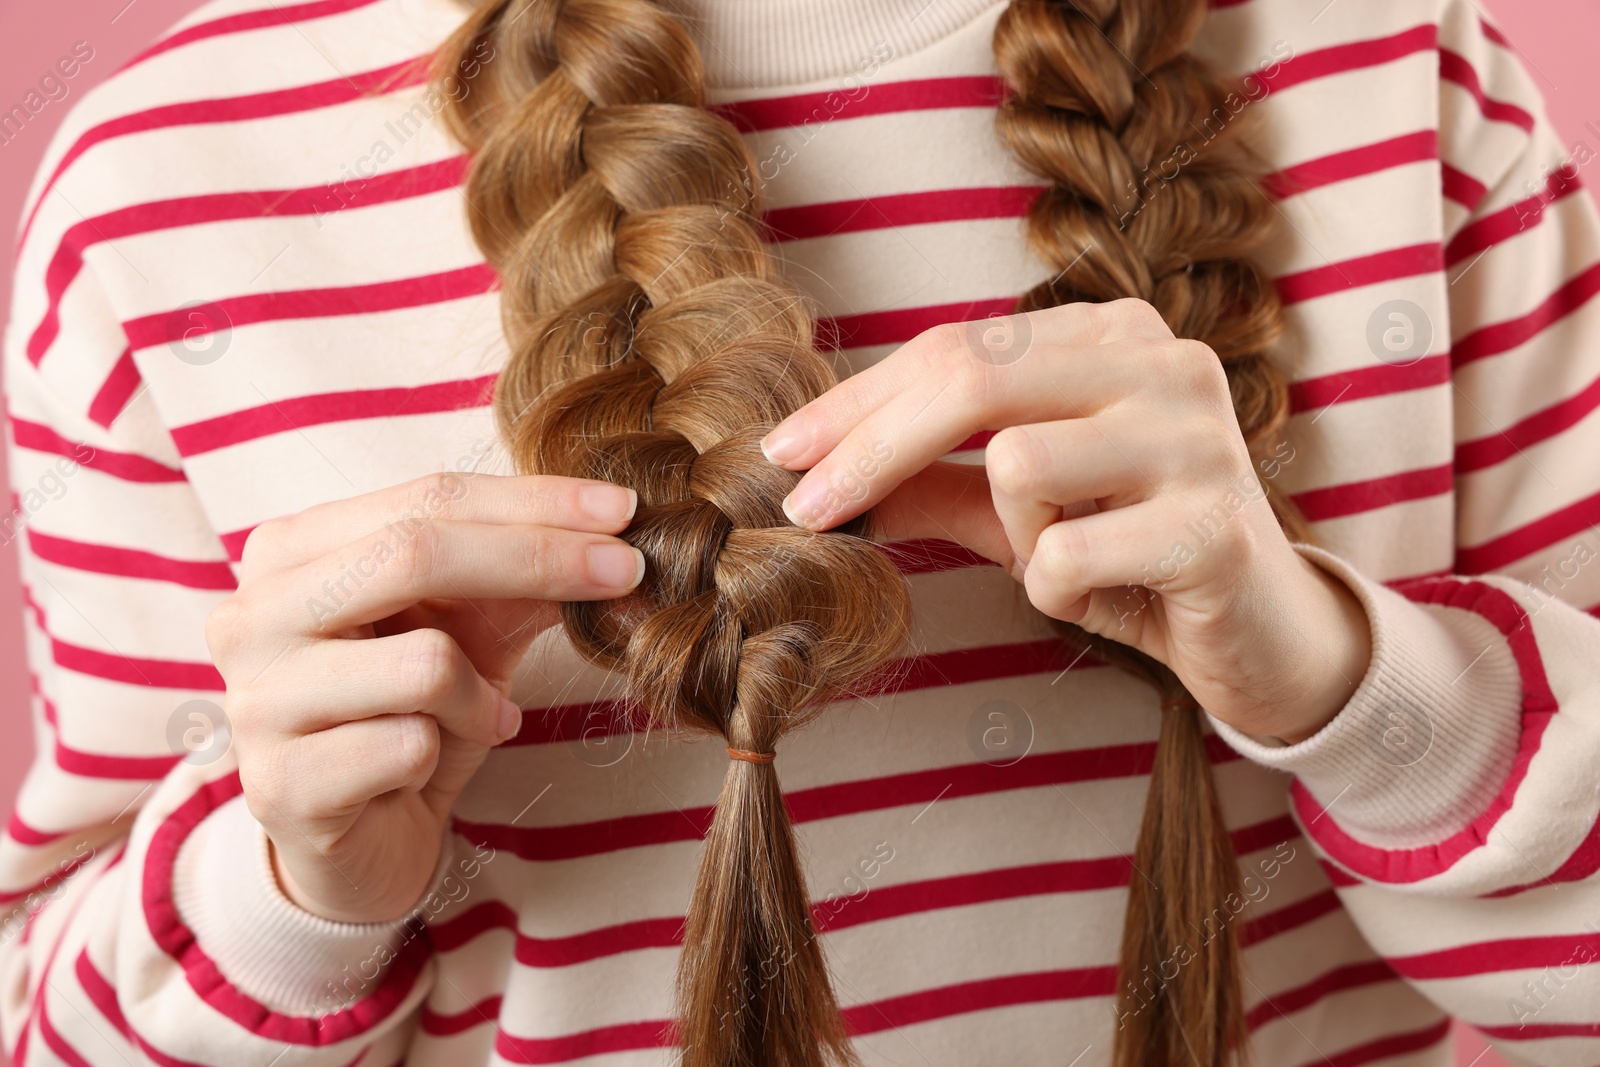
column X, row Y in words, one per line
column 654, row 342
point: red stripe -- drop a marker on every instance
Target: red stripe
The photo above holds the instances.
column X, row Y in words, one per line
column 1342, row 58
column 1337, row 501
column 603, row 836
column 1380, row 379
column 1542, row 425
column 966, row 997
column 23, row 834
column 900, row 209
column 987, row 91
column 891, row 1013
column 1495, row 35
column 1501, row 337
column 248, row 20
column 1289, row 918
column 128, row 466
column 1500, row 552
column 926, row 94
column 342, row 90
column 1338, row 875
column 1538, row 1031
column 882, row 903
column 104, row 998
column 1352, row 976
column 1509, row 221
column 130, row 562
column 136, row 670
column 294, row 413
column 233, row 312
column 908, row 1010
column 1386, row 1047
column 116, row 391
column 1406, row 866
column 1353, row 273
column 485, row 1011
column 100, row 765
column 1488, row 957
column 622, row 1037
column 899, row 325
column 961, row 666
column 120, row 768
column 48, row 882
column 1462, row 187
column 1353, row 163
column 178, row 942
column 1454, row 67
column 54, row 1040
column 932, row 555
column 158, row 215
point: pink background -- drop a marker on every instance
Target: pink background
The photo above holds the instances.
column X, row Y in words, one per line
column 1556, row 39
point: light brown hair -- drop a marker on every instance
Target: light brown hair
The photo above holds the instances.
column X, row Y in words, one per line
column 653, row 342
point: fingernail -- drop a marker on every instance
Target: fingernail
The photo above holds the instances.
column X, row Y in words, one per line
column 617, row 565
column 510, row 718
column 784, row 444
column 609, row 504
column 804, row 504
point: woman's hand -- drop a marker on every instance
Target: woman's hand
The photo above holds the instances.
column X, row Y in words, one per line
column 368, row 654
column 1118, row 490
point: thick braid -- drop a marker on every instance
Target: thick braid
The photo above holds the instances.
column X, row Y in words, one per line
column 1150, row 197
column 653, row 344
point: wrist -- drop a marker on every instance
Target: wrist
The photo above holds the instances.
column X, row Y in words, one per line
column 1342, row 638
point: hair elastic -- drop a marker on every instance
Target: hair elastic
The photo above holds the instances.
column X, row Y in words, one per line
column 1183, row 703
column 751, row 757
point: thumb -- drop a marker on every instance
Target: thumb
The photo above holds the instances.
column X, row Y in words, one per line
column 946, row 501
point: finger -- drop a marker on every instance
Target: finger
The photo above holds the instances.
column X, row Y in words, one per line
column 417, row 672
column 537, row 500
column 334, row 773
column 1036, row 471
column 495, row 634
column 946, row 502
column 947, row 405
column 1152, row 544
column 809, row 433
column 376, row 576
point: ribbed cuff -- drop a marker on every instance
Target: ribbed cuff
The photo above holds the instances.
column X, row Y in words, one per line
column 1427, row 739
column 271, row 949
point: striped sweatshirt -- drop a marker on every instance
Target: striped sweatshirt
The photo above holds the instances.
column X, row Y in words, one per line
column 246, row 286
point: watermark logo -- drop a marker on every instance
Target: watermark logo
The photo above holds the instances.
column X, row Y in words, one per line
column 1000, row 733
column 1400, row 734
column 1399, row 333
column 198, row 732
column 999, row 340
column 602, row 742
column 199, row 332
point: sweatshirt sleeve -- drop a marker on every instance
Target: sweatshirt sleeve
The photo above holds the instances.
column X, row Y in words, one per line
column 1455, row 799
column 139, row 918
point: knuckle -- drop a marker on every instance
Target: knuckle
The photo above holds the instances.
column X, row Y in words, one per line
column 1016, row 460
column 1138, row 311
column 416, row 745
column 428, row 666
column 263, row 543
column 244, row 717
column 1195, row 366
column 431, row 494
column 420, row 554
column 1058, row 550
column 224, row 627
column 540, row 560
column 937, row 344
